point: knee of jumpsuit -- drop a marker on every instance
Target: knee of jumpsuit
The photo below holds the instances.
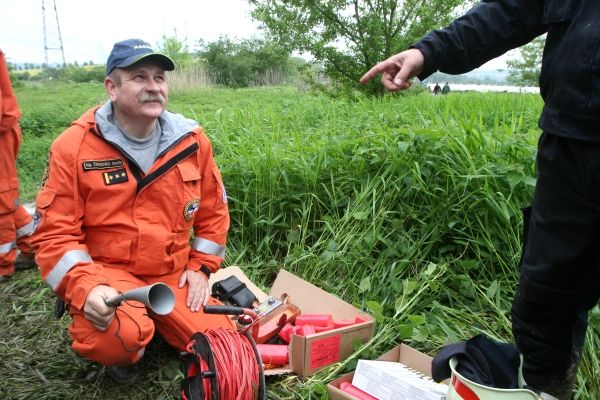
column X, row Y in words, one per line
column 122, row 344
column 178, row 326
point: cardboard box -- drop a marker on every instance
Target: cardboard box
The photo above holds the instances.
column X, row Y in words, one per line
column 314, row 352
column 402, row 353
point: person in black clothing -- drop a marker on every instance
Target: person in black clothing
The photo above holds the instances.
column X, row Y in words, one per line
column 437, row 89
column 560, row 266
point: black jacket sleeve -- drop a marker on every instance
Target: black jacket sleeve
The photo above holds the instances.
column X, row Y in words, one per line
column 487, row 31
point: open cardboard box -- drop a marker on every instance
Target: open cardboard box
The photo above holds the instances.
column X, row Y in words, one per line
column 402, row 353
column 314, row 352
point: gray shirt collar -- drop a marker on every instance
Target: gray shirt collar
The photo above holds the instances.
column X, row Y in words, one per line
column 174, row 128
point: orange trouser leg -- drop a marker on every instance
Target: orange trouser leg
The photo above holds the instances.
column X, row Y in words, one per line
column 10, row 138
column 178, row 327
column 24, row 227
column 9, row 186
column 124, row 342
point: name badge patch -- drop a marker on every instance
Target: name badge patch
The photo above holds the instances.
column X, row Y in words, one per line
column 114, row 177
column 90, row 165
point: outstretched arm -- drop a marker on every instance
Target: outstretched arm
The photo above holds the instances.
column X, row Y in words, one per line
column 486, row 31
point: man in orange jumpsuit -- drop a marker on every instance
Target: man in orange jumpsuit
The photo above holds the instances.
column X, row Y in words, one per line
column 15, row 222
column 125, row 185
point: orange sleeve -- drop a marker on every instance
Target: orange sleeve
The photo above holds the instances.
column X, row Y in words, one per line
column 62, row 257
column 211, row 222
column 8, row 100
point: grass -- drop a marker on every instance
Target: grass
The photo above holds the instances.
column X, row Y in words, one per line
column 408, row 207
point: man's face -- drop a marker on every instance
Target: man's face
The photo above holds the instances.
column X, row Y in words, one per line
column 141, row 93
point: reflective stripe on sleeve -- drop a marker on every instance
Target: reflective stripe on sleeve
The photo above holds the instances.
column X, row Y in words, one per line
column 208, row 247
column 6, row 247
column 25, row 230
column 67, row 261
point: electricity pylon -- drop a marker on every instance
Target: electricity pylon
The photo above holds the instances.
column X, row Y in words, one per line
column 52, row 38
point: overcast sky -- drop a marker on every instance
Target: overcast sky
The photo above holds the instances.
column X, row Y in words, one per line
column 90, row 28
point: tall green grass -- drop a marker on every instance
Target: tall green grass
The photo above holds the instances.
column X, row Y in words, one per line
column 47, row 110
column 408, row 207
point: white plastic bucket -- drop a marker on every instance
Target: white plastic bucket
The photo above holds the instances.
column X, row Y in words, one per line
column 460, row 388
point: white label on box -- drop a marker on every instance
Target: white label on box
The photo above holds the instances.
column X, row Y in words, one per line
column 388, row 380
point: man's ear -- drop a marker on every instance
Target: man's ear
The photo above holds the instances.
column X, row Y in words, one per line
column 110, row 86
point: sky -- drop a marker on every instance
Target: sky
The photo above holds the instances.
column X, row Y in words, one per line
column 90, row 28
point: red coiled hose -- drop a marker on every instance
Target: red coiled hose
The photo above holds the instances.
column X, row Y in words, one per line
column 235, row 363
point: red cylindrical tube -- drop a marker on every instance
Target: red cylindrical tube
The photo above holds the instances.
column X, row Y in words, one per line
column 286, row 332
column 356, row 392
column 305, row 330
column 314, row 319
column 342, row 323
column 274, row 354
column 319, row 329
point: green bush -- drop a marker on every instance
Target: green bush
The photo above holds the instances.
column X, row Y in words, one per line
column 94, row 73
column 239, row 64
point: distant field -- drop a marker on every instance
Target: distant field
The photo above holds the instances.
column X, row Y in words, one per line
column 31, row 71
column 408, row 207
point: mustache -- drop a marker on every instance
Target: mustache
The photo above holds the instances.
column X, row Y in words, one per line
column 148, row 98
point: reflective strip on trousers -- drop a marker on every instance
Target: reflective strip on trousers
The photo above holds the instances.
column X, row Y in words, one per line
column 25, row 230
column 64, row 265
column 208, row 247
column 6, row 247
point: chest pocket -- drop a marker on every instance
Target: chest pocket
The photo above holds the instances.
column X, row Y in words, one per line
column 556, row 11
column 189, row 201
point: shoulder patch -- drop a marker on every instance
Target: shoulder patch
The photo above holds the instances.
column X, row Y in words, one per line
column 37, row 219
column 190, row 209
column 224, row 194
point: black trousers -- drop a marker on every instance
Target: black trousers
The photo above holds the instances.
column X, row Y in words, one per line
column 560, row 266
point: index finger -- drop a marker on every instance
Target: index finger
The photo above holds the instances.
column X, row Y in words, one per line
column 377, row 69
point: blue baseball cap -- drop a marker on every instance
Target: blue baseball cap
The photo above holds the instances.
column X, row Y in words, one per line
column 131, row 51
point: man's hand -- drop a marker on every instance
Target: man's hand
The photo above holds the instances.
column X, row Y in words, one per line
column 397, row 70
column 95, row 309
column 198, row 292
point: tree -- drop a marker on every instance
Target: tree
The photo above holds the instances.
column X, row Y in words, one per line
column 525, row 70
column 349, row 36
column 177, row 50
column 241, row 63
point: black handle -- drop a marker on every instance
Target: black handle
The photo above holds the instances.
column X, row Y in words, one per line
column 227, row 310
